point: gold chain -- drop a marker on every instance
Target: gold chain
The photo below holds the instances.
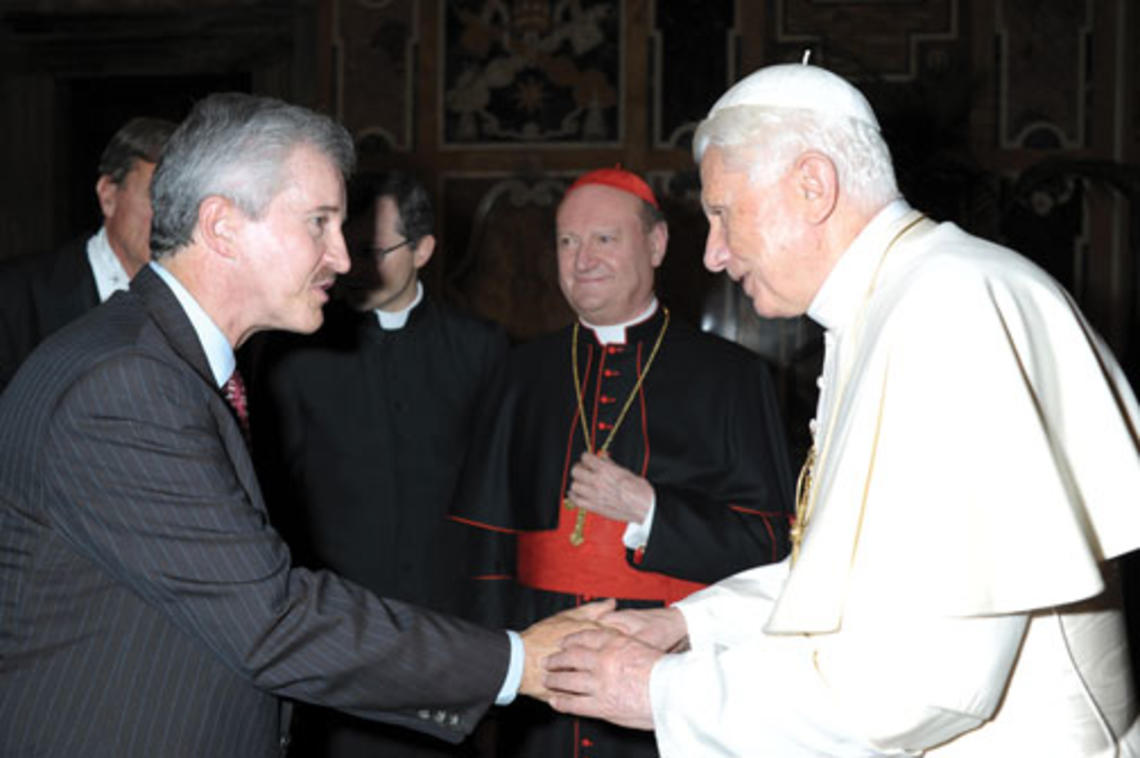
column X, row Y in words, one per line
column 578, row 536
column 805, row 489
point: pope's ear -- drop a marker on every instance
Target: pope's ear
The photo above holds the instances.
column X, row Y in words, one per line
column 218, row 222
column 817, row 183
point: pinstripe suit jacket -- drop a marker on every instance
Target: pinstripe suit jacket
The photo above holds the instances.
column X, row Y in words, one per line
column 146, row 607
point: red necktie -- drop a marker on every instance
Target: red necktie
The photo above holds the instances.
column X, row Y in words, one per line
column 234, row 390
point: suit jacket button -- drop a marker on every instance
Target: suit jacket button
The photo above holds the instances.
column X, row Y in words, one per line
column 454, row 720
column 440, row 717
column 424, row 713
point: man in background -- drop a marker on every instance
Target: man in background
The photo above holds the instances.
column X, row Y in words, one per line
column 950, row 590
column 632, row 456
column 41, row 293
column 361, row 431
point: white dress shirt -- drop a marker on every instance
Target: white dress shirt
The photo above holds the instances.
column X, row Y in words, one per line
column 109, row 273
column 391, row 321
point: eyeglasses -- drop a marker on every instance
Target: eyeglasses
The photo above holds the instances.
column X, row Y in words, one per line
column 377, row 252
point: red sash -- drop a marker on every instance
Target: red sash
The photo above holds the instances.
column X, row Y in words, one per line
column 597, row 568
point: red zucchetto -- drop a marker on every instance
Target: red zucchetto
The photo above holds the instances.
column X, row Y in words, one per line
column 618, row 178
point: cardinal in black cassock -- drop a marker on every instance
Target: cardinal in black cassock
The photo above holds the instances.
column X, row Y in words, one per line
column 631, row 456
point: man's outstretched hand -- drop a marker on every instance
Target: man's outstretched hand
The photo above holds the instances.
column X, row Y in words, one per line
column 543, row 638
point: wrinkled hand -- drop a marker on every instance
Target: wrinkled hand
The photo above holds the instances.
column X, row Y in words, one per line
column 662, row 628
column 602, row 673
column 544, row 638
column 601, row 486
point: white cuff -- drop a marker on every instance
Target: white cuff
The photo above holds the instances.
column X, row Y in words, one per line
column 636, row 535
column 513, row 679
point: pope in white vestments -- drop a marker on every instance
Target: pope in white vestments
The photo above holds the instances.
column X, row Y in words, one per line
column 975, row 469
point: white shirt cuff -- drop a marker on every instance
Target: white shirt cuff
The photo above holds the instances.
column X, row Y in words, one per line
column 513, row 679
column 637, row 535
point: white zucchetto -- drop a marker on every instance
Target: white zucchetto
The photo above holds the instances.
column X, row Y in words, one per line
column 798, row 85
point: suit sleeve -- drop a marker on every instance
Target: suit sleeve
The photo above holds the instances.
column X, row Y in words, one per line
column 732, row 511
column 170, row 508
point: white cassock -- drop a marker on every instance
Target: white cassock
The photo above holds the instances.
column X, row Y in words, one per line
column 977, row 466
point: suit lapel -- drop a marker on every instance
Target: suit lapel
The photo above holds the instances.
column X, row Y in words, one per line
column 167, row 313
column 175, row 325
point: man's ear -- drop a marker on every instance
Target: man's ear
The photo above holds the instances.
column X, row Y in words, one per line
column 219, row 223
column 108, row 193
column 658, row 242
column 817, row 185
column 421, row 253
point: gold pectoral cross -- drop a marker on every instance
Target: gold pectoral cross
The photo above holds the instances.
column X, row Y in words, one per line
column 578, row 536
column 804, row 503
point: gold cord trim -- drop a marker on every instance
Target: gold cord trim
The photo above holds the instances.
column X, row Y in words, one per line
column 578, row 535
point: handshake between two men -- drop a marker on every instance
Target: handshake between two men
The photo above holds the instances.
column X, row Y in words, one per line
column 595, row 661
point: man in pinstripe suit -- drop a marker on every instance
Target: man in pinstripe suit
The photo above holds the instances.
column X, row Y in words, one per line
column 146, row 608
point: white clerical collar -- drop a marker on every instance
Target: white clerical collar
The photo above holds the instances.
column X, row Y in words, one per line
column 110, row 275
column 614, row 334
column 844, row 289
column 393, row 320
column 218, row 351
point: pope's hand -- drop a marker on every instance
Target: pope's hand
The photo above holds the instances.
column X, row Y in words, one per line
column 662, row 628
column 602, row 673
column 544, row 638
column 601, row 486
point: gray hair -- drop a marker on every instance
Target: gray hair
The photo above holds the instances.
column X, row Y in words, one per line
column 772, row 138
column 140, row 139
column 234, row 145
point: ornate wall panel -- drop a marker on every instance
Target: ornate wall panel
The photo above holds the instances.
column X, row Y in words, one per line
column 535, row 72
column 506, row 268
column 374, row 50
column 682, row 279
column 1016, row 118
column 894, row 40
column 1044, row 73
column 694, row 59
